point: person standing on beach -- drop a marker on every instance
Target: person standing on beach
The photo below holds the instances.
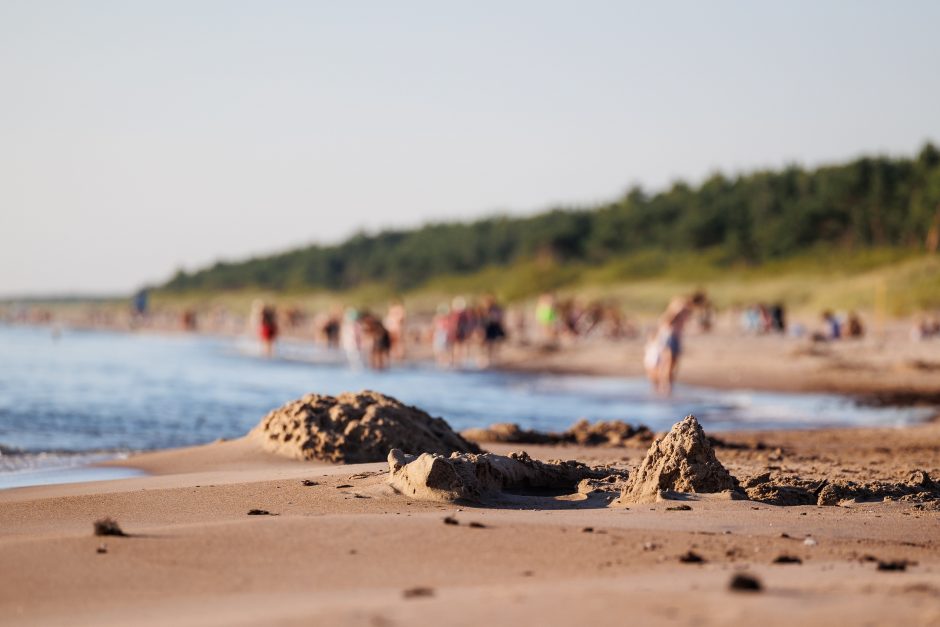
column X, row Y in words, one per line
column 833, row 326
column 267, row 329
column 494, row 332
column 351, row 337
column 661, row 357
column 395, row 325
column 441, row 336
column 546, row 314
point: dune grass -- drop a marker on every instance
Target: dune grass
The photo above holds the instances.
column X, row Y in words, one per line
column 896, row 282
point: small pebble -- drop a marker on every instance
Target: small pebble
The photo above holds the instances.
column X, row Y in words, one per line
column 742, row 582
column 691, row 557
column 896, row 565
column 414, row 593
column 787, row 559
column 108, row 527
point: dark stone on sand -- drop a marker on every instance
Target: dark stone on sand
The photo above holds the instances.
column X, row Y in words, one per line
column 679, row 508
column 308, row 483
column 787, row 559
column 258, row 512
column 108, row 527
column 477, row 525
column 418, row 592
column 742, row 582
column 450, row 520
column 894, row 565
column 691, row 557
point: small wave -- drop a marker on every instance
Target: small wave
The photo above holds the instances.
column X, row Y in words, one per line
column 6, row 451
column 14, row 460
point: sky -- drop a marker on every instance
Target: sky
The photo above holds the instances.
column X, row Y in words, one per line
column 137, row 137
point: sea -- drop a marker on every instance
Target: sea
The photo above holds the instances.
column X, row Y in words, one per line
column 71, row 398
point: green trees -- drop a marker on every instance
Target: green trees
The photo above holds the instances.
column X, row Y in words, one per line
column 750, row 219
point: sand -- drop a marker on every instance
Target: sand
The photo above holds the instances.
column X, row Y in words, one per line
column 885, row 367
column 346, row 549
column 609, row 432
column 354, row 427
column 682, row 460
column 488, row 478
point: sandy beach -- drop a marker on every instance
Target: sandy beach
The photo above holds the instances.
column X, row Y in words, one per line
column 348, row 550
column 885, row 368
column 393, row 315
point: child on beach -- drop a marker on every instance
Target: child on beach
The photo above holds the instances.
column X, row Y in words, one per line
column 661, row 356
column 267, row 329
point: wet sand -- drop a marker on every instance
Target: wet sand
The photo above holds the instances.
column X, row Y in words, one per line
column 350, row 551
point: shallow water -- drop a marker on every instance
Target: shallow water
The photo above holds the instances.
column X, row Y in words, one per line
column 84, row 393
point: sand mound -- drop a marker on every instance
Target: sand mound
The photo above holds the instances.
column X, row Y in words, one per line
column 583, row 432
column 781, row 490
column 917, row 488
column 610, row 433
column 680, row 461
column 510, row 433
column 354, row 428
column 485, row 477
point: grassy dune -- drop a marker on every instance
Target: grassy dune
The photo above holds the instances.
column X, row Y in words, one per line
column 893, row 281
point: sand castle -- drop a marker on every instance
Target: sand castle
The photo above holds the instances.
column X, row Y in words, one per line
column 483, row 477
column 354, row 428
column 583, row 432
column 683, row 460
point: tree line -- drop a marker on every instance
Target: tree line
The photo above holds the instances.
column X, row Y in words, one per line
column 750, row 218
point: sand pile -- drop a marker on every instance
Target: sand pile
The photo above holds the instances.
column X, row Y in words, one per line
column 510, row 433
column 680, row 461
column 782, row 490
column 610, row 433
column 918, row 487
column 354, row 428
column 583, row 432
column 486, row 477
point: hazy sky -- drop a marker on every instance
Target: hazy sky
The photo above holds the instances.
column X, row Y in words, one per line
column 138, row 137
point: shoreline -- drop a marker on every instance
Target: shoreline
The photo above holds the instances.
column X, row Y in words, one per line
column 888, row 370
column 873, row 372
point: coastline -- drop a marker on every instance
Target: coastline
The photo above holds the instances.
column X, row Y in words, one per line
column 885, row 368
